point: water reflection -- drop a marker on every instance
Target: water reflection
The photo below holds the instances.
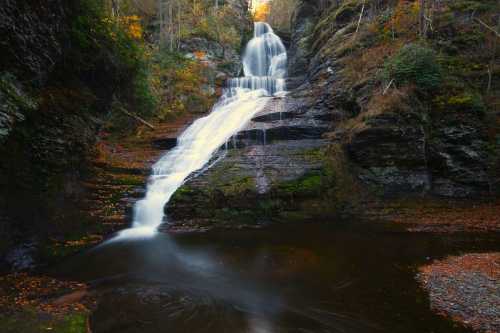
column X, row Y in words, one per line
column 298, row 279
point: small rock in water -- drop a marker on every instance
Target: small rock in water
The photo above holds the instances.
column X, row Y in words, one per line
column 21, row 258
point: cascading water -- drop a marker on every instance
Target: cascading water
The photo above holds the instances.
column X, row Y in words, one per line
column 264, row 65
column 264, row 62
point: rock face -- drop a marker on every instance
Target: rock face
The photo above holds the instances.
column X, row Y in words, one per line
column 13, row 104
column 221, row 58
column 403, row 149
column 275, row 159
column 303, row 22
column 458, row 156
column 409, row 149
column 31, row 36
column 391, row 152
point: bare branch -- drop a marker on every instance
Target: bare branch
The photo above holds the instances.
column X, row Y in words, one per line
column 360, row 17
column 487, row 27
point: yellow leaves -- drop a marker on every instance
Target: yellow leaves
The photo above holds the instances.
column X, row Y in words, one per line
column 132, row 25
column 261, row 11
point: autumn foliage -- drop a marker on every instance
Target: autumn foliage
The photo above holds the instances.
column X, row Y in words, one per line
column 261, row 12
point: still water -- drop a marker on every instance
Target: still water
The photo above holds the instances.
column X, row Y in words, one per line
column 310, row 277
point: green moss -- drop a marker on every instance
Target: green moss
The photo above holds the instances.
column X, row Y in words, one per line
column 316, row 154
column 183, row 193
column 464, row 101
column 29, row 321
column 126, row 179
column 307, row 185
column 76, row 323
column 239, row 186
column 237, row 216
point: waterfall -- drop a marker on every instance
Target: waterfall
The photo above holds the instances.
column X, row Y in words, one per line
column 264, row 65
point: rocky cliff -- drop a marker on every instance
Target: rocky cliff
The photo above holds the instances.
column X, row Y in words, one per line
column 419, row 116
column 366, row 117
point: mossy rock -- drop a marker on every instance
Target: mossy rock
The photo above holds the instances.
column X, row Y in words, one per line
column 308, row 185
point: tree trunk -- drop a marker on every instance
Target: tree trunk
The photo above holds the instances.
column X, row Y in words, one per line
column 115, row 8
column 171, row 25
column 421, row 18
column 161, row 19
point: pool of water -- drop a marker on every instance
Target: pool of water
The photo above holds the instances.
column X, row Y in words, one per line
column 326, row 277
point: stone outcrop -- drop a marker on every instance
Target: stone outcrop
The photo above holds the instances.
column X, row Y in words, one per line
column 277, row 158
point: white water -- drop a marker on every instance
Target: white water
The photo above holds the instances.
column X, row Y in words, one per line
column 264, row 65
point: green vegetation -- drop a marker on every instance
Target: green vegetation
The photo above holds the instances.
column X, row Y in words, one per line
column 466, row 102
column 30, row 322
column 414, row 64
column 109, row 56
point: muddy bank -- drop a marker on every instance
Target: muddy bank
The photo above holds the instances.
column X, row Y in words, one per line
column 466, row 289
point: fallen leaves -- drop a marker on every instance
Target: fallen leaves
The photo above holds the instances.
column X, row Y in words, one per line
column 43, row 293
column 442, row 216
column 466, row 289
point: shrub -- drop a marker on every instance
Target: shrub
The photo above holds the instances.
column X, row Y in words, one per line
column 414, row 64
column 465, row 101
column 107, row 55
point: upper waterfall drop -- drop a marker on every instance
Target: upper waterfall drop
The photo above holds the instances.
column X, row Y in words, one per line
column 264, row 64
column 265, row 54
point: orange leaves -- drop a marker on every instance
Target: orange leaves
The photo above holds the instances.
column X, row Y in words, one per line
column 200, row 55
column 87, row 240
column 21, row 290
column 445, row 216
column 131, row 25
column 261, row 11
column 404, row 18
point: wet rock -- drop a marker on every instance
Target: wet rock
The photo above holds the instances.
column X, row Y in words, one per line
column 269, row 152
column 22, row 257
column 165, row 143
